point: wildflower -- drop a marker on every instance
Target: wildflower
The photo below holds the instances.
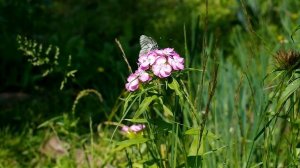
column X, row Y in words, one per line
column 161, row 68
column 137, row 128
column 125, row 128
column 133, row 128
column 168, row 51
column 176, row 62
column 143, row 75
column 146, row 60
column 132, row 82
column 160, row 62
column 134, row 79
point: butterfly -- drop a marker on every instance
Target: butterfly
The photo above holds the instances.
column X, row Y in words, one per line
column 147, row 44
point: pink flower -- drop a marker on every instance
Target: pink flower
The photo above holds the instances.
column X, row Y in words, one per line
column 125, row 128
column 152, row 56
column 132, row 82
column 143, row 75
column 176, row 62
column 133, row 128
column 161, row 68
column 134, row 79
column 159, row 52
column 137, row 128
column 146, row 60
column 160, row 61
column 168, row 51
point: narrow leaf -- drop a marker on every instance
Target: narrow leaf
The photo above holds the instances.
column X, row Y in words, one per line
column 144, row 106
column 137, row 120
column 167, row 111
column 130, row 142
column 174, row 85
column 289, row 90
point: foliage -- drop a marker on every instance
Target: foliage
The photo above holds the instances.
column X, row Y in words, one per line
column 38, row 56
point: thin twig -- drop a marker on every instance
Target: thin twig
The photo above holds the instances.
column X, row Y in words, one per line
column 213, row 86
column 124, row 56
column 205, row 53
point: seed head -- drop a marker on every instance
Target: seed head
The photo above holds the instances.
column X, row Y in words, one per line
column 287, row 59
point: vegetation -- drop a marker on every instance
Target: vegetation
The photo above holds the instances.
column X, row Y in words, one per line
column 64, row 102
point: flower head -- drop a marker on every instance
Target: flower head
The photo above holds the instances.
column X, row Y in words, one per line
column 146, row 60
column 133, row 128
column 135, row 78
column 161, row 68
column 160, row 62
column 176, row 62
column 132, row 82
column 143, row 75
column 168, row 51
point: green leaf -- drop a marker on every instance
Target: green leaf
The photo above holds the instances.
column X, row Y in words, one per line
column 174, row 85
column 144, row 106
column 127, row 101
column 206, row 133
column 289, row 90
column 71, row 73
column 161, row 124
column 137, row 120
column 167, row 111
column 194, row 151
column 192, row 131
column 130, row 142
column 194, row 161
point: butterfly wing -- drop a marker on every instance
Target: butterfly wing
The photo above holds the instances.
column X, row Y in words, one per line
column 147, row 44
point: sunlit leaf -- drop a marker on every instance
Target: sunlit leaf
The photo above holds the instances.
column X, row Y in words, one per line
column 208, row 134
column 167, row 111
column 289, row 90
column 192, row 131
column 123, row 144
column 174, row 85
column 144, row 105
column 196, row 148
column 137, row 120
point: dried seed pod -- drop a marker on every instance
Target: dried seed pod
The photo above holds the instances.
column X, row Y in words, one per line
column 287, row 59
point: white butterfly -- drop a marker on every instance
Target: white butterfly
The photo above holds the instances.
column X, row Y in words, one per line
column 147, row 44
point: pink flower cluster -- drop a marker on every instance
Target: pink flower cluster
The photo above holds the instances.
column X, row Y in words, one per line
column 158, row 63
column 133, row 128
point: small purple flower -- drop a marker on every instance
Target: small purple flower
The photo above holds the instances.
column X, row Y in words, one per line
column 133, row 128
column 152, row 56
column 168, row 51
column 134, row 79
column 146, row 60
column 161, row 68
column 159, row 52
column 143, row 75
column 125, row 128
column 137, row 128
column 132, row 82
column 176, row 62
